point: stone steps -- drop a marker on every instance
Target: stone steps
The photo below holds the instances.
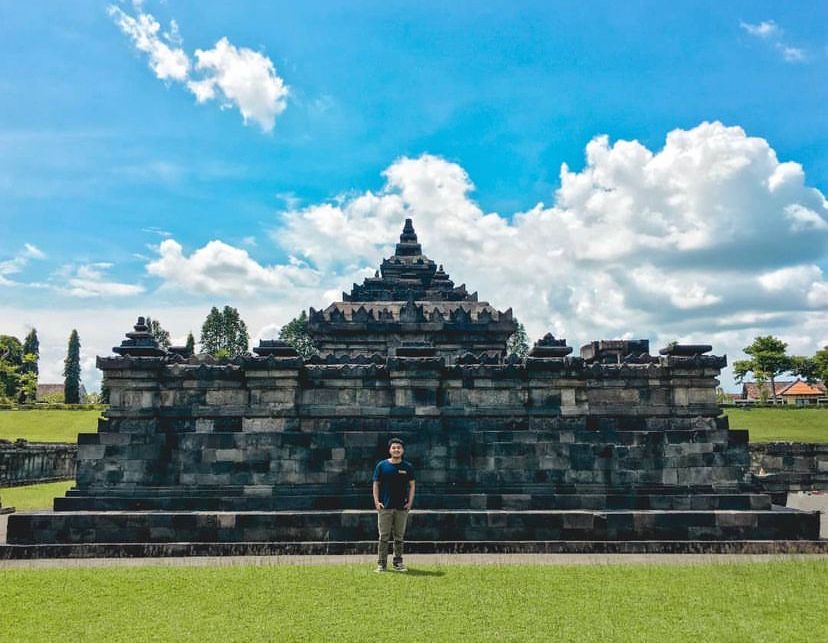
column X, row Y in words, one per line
column 425, row 525
column 368, row 548
column 507, row 501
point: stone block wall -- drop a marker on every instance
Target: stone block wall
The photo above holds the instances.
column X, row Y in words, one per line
column 782, row 467
column 259, row 428
column 28, row 463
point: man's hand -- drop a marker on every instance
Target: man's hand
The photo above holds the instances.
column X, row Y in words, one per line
column 379, row 506
column 407, row 506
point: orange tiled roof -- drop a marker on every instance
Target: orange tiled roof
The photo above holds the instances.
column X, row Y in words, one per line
column 799, row 387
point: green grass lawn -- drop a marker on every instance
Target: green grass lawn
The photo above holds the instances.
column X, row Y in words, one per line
column 47, row 425
column 780, row 601
column 781, row 425
column 34, row 497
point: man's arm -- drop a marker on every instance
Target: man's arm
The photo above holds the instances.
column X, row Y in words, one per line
column 377, row 504
column 410, row 502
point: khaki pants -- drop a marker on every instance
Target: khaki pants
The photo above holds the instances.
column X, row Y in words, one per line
column 391, row 522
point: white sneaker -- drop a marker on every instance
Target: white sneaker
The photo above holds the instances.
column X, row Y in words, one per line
column 380, row 569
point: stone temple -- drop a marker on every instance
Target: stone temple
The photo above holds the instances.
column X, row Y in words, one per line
column 610, row 448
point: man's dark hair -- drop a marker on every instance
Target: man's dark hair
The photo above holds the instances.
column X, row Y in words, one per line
column 396, row 441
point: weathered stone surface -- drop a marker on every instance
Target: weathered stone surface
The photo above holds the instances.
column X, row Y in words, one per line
column 22, row 462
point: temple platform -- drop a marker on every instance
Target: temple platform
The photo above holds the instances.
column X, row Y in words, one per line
column 777, row 523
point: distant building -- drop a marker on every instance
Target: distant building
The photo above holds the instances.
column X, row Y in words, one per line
column 795, row 392
column 54, row 392
column 801, row 393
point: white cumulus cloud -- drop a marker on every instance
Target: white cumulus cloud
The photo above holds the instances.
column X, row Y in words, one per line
column 168, row 62
column 709, row 234
column 243, row 78
column 235, row 76
column 222, row 269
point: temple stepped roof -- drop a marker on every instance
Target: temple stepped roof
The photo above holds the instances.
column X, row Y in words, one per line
column 409, row 273
column 436, row 311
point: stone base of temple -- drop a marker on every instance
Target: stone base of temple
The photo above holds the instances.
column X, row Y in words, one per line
column 504, row 526
column 368, row 548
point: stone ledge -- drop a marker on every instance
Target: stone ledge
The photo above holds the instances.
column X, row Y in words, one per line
column 369, row 548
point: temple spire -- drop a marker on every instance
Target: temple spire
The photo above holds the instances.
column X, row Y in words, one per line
column 408, row 245
column 408, row 234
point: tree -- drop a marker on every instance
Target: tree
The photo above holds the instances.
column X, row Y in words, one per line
column 72, row 370
column 31, row 346
column 11, row 361
column 224, row 334
column 161, row 336
column 768, row 358
column 518, row 342
column 813, row 369
column 190, row 345
column 295, row 333
column 820, row 361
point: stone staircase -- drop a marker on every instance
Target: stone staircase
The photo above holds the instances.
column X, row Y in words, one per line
column 511, row 485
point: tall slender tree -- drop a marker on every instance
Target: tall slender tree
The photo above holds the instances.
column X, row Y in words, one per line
column 72, row 370
column 190, row 345
column 31, row 346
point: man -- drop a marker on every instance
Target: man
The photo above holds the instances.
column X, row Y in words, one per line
column 393, row 497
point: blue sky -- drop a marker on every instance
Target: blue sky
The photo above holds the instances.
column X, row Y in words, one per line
column 103, row 157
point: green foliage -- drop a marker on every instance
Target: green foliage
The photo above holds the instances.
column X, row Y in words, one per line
column 813, row 369
column 745, row 601
column 295, row 333
column 768, row 359
column 52, row 398
column 72, row 370
column 161, row 336
column 804, row 367
column 11, row 362
column 11, row 349
column 38, row 425
column 518, row 342
column 190, row 345
column 34, row 497
column 821, row 364
column 781, row 424
column 224, row 334
column 28, row 383
column 31, row 353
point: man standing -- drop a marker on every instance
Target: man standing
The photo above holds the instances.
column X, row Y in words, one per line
column 393, row 497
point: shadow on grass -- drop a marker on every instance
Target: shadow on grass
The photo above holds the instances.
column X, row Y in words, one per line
column 423, row 572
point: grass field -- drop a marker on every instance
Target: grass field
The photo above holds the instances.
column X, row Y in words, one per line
column 34, row 497
column 781, row 425
column 781, row 601
column 47, row 425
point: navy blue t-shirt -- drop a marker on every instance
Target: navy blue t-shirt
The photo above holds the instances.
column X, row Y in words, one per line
column 393, row 482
